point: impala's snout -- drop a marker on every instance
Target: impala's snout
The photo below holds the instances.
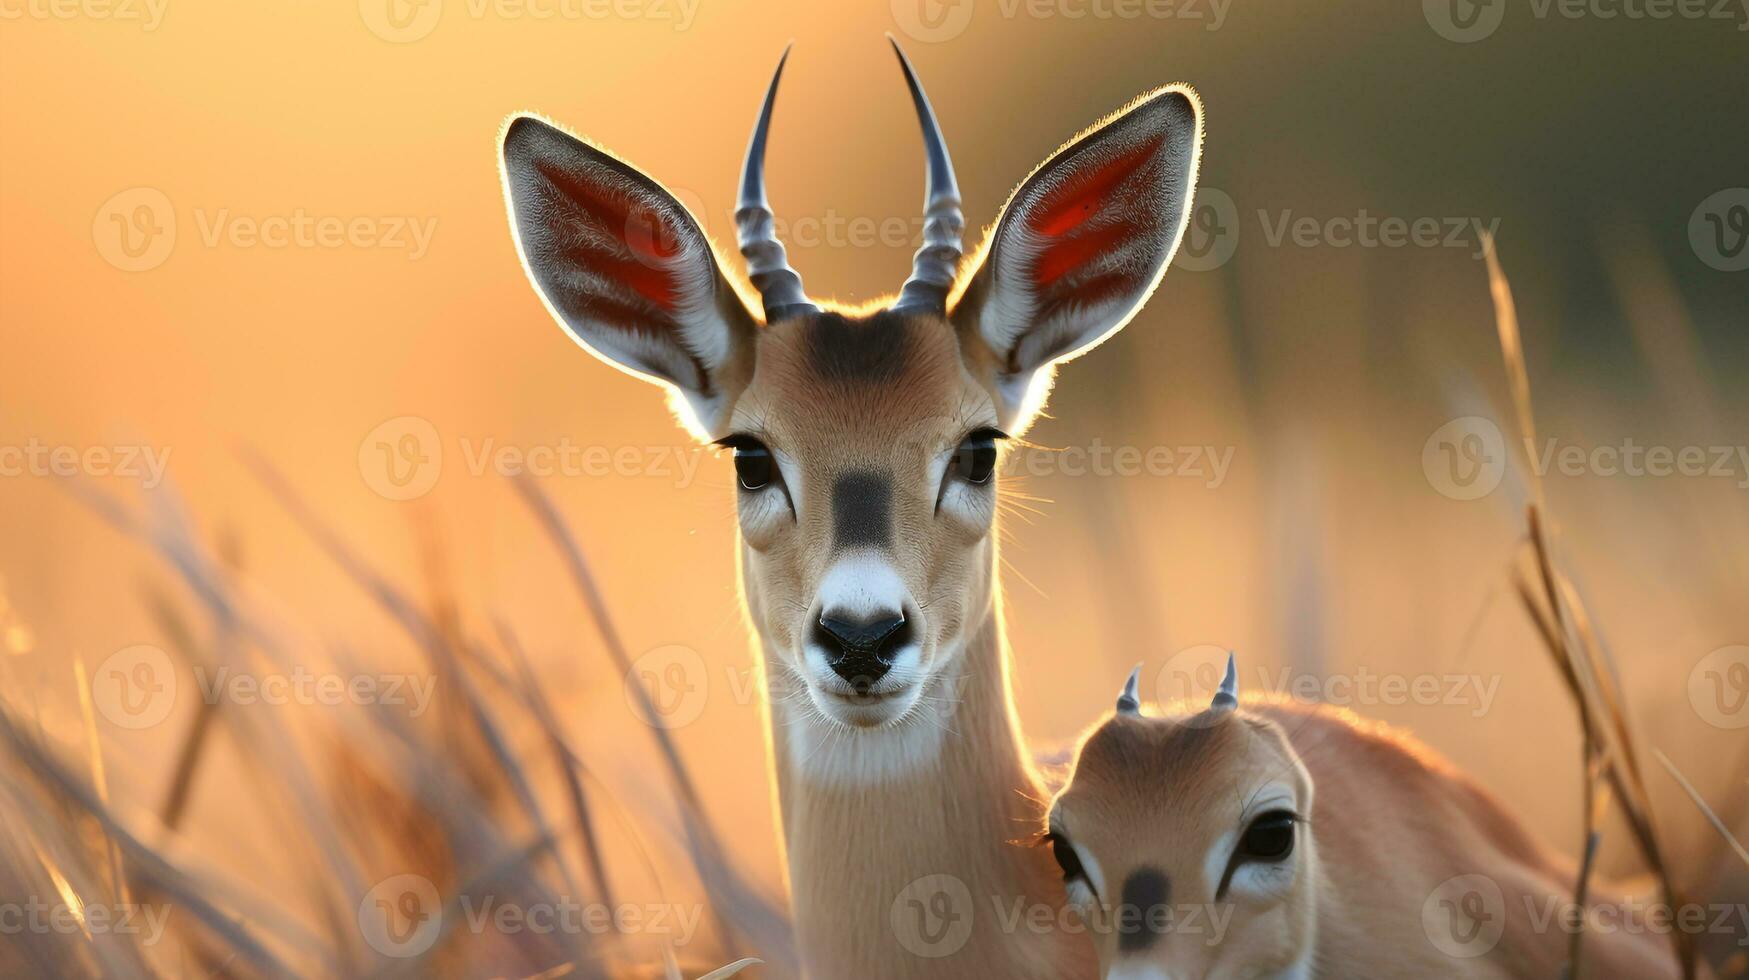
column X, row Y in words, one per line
column 864, row 641
column 861, row 650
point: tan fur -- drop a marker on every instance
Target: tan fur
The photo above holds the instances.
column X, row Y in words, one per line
column 851, row 849
column 884, row 783
column 1388, row 822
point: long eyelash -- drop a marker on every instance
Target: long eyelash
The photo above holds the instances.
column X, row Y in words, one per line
column 988, row 432
column 740, row 440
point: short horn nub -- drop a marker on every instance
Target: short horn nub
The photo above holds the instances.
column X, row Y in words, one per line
column 937, row 261
column 780, row 288
column 1227, row 698
column 1129, row 702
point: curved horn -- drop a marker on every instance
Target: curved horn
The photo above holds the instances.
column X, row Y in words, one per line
column 779, row 286
column 937, row 261
column 1227, row 698
column 1128, row 703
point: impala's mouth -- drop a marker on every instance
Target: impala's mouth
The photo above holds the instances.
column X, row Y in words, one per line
column 870, row 709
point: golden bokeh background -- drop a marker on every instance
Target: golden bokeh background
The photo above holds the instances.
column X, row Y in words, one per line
column 1327, row 549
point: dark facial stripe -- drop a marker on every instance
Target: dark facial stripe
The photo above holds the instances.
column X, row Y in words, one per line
column 1144, row 915
column 867, row 351
column 862, row 509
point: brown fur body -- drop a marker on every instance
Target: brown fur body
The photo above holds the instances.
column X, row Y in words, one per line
column 1392, row 831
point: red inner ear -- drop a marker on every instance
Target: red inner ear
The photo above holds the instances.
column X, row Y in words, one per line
column 651, row 282
column 644, row 231
column 1066, row 255
column 1089, row 192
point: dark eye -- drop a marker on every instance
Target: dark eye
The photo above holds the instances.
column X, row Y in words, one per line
column 753, row 467
column 975, row 459
column 1066, row 857
column 1269, row 838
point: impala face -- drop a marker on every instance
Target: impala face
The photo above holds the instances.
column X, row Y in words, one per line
column 865, row 455
column 1183, row 842
column 865, row 440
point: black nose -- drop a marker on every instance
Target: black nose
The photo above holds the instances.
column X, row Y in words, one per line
column 859, row 650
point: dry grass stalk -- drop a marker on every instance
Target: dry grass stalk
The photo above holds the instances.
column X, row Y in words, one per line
column 368, row 794
column 1611, row 766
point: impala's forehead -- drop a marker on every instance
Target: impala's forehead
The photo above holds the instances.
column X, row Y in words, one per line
column 1191, row 775
column 828, row 381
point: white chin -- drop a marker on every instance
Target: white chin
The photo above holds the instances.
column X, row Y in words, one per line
column 867, row 710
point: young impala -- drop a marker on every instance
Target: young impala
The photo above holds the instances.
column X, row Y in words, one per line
column 865, row 449
column 1281, row 840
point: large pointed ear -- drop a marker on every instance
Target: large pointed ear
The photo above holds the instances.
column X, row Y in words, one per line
column 625, row 269
column 1080, row 246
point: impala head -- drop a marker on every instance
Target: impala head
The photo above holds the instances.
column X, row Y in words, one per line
column 864, row 440
column 1183, row 842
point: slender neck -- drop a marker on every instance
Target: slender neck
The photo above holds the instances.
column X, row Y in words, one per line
column 907, row 846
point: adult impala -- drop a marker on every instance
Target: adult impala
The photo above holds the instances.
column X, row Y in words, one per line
column 865, row 448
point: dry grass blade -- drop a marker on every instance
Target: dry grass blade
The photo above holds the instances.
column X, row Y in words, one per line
column 118, row 883
column 383, row 792
column 425, row 631
column 579, row 801
column 154, row 871
column 1713, row 818
column 730, row 894
column 1555, row 607
column 723, row 973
